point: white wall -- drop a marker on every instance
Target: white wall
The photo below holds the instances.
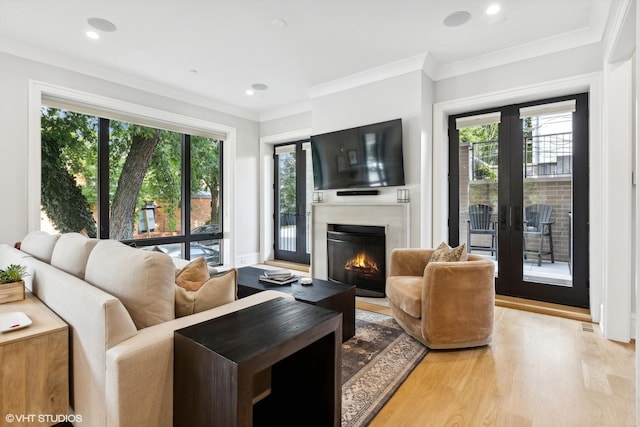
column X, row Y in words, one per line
column 525, row 73
column 618, row 159
column 426, row 169
column 283, row 125
column 620, row 264
column 14, row 125
column 404, row 97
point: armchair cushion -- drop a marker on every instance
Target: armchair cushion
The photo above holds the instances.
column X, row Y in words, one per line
column 446, row 253
column 405, row 292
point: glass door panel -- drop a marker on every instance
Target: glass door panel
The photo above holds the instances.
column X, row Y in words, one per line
column 478, row 189
column 547, row 198
column 292, row 202
column 286, row 207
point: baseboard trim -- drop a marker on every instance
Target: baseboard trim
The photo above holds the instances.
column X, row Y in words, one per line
column 568, row 312
column 287, row 264
column 367, row 306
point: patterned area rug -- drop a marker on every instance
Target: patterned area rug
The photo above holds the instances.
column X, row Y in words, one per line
column 374, row 364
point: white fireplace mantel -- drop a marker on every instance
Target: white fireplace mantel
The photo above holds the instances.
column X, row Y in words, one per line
column 395, row 217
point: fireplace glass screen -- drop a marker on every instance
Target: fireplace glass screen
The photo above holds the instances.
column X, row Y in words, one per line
column 356, row 256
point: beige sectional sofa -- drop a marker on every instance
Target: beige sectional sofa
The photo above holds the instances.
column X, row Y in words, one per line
column 119, row 304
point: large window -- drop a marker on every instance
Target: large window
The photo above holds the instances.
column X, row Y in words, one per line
column 153, row 188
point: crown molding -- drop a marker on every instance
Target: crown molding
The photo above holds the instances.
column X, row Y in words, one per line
column 68, row 63
column 294, row 135
column 621, row 40
column 286, row 111
column 593, row 33
column 398, row 68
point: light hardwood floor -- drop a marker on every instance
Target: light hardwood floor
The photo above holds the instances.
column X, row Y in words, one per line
column 540, row 370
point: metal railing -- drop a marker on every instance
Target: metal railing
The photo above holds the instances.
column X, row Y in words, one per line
column 543, row 155
column 548, row 155
column 288, row 231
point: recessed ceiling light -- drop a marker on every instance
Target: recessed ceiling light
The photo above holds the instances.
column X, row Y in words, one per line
column 102, row 24
column 92, row 35
column 248, row 92
column 259, row 86
column 493, row 9
column 457, row 18
column 279, row 23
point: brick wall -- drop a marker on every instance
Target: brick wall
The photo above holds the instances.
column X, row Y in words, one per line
column 200, row 215
column 552, row 191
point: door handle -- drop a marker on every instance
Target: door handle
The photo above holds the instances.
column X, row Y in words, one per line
column 516, row 218
column 502, row 217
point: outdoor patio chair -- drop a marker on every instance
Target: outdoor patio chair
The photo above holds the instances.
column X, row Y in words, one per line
column 481, row 222
column 537, row 226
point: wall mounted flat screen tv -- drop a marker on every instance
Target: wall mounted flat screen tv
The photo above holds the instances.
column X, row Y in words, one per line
column 362, row 157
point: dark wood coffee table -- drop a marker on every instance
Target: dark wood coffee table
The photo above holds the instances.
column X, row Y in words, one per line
column 322, row 293
column 277, row 363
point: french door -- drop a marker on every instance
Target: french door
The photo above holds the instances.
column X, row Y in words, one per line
column 292, row 190
column 518, row 193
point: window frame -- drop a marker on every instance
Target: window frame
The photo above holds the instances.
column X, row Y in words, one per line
column 41, row 93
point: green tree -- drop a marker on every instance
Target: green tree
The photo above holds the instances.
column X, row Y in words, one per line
column 142, row 142
column 66, row 139
column 484, row 143
column 482, row 133
column 144, row 164
column 287, row 184
column 205, row 171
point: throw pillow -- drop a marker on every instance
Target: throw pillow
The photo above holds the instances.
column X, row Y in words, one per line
column 446, row 253
column 218, row 290
column 193, row 275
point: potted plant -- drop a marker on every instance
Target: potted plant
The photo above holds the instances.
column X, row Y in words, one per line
column 12, row 283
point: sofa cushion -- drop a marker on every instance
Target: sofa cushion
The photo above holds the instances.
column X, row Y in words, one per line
column 446, row 253
column 144, row 281
column 193, row 275
column 72, row 252
column 40, row 245
column 406, row 293
column 216, row 291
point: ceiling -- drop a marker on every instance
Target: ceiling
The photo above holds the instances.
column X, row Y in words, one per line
column 216, row 49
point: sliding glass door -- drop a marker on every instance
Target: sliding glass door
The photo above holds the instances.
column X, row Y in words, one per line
column 519, row 194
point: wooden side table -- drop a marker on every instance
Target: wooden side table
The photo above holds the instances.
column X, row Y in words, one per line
column 34, row 367
column 275, row 364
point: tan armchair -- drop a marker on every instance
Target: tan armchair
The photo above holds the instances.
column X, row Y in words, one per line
column 442, row 304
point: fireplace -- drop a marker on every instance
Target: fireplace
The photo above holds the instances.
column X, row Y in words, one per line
column 356, row 256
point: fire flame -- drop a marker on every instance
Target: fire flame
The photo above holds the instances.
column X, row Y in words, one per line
column 361, row 261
